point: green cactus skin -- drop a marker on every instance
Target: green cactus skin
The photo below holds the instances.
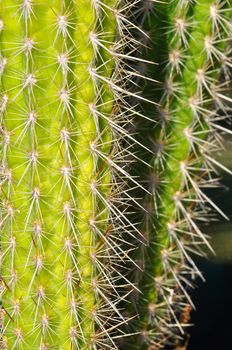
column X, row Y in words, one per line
column 58, row 253
column 79, row 270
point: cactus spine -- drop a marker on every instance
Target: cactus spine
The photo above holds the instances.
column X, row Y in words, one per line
column 70, row 105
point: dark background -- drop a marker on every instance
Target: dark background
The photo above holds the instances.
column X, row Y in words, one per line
column 213, row 298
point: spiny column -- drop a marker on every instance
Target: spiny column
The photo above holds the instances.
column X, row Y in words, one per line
column 196, row 35
column 56, row 291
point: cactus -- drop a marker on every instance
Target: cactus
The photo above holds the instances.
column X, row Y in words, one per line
column 191, row 45
column 59, row 247
column 106, row 131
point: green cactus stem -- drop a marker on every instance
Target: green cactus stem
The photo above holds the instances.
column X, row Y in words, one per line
column 56, row 244
column 194, row 39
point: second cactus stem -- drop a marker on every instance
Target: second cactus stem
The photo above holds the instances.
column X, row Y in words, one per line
column 191, row 46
